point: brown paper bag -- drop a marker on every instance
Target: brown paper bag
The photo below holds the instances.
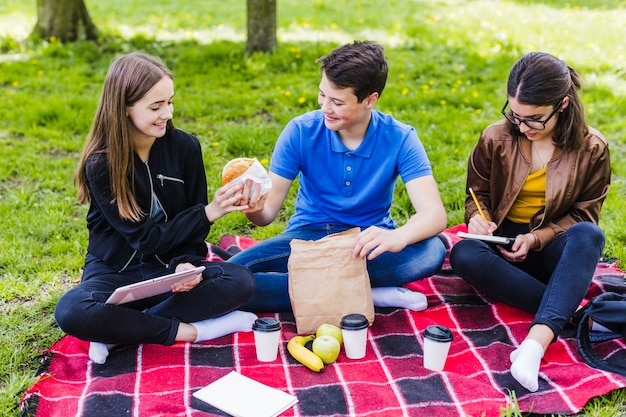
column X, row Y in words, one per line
column 326, row 283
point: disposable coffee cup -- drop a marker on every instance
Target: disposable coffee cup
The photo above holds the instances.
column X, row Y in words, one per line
column 266, row 338
column 354, row 332
column 437, row 340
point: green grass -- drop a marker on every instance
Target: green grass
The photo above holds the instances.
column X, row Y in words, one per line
column 448, row 66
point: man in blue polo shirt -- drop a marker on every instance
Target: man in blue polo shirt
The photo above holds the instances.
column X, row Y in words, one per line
column 347, row 158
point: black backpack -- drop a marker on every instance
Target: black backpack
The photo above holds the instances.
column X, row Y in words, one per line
column 609, row 310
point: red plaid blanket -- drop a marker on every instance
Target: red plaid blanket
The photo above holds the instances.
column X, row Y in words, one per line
column 154, row 380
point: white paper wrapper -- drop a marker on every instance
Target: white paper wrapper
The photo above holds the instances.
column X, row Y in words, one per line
column 258, row 175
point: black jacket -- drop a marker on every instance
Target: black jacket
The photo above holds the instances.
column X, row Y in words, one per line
column 175, row 172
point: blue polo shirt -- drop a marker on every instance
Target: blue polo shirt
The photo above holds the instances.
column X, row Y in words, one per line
column 340, row 186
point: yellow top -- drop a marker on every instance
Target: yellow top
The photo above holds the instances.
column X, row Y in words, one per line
column 531, row 198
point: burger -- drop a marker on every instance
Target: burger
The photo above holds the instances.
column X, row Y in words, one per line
column 235, row 168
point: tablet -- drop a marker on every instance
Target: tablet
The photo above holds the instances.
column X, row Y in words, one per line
column 498, row 240
column 151, row 287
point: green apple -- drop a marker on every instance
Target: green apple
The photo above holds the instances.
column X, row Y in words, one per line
column 327, row 348
column 327, row 329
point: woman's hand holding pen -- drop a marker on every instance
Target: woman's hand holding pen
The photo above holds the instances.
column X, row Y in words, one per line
column 480, row 226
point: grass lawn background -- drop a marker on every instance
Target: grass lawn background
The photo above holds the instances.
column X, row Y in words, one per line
column 449, row 61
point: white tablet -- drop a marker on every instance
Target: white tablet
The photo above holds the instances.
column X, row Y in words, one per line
column 151, row 287
column 498, row 240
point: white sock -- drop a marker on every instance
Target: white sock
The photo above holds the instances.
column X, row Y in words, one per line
column 235, row 321
column 597, row 327
column 98, row 352
column 399, row 297
column 525, row 361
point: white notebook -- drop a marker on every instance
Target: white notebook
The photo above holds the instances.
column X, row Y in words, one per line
column 241, row 396
column 501, row 240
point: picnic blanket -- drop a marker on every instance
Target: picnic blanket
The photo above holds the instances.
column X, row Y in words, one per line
column 154, row 380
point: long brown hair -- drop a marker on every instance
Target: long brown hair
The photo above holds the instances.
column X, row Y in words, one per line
column 541, row 79
column 129, row 78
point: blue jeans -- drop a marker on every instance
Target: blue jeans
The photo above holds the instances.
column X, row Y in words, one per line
column 82, row 311
column 268, row 261
column 550, row 283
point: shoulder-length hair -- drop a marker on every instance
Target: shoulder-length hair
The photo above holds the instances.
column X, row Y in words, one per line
column 541, row 79
column 129, row 78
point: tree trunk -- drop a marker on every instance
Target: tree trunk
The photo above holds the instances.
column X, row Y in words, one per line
column 261, row 26
column 66, row 20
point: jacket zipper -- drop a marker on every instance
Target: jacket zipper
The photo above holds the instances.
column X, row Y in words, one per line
column 152, row 193
column 162, row 178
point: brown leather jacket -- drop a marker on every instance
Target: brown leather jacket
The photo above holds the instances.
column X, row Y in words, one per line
column 576, row 186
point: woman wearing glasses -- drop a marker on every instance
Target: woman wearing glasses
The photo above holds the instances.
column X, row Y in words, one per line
column 540, row 177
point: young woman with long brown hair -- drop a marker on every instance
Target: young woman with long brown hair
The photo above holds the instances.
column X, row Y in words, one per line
column 149, row 215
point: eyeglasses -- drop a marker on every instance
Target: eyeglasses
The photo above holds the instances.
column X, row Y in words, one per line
column 532, row 124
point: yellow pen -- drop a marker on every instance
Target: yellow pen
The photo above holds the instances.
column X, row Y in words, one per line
column 478, row 205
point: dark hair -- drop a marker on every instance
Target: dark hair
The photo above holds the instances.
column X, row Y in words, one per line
column 129, row 78
column 540, row 79
column 359, row 65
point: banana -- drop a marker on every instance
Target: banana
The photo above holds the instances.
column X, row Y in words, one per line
column 296, row 348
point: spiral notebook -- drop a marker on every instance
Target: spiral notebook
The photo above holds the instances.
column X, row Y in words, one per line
column 500, row 240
